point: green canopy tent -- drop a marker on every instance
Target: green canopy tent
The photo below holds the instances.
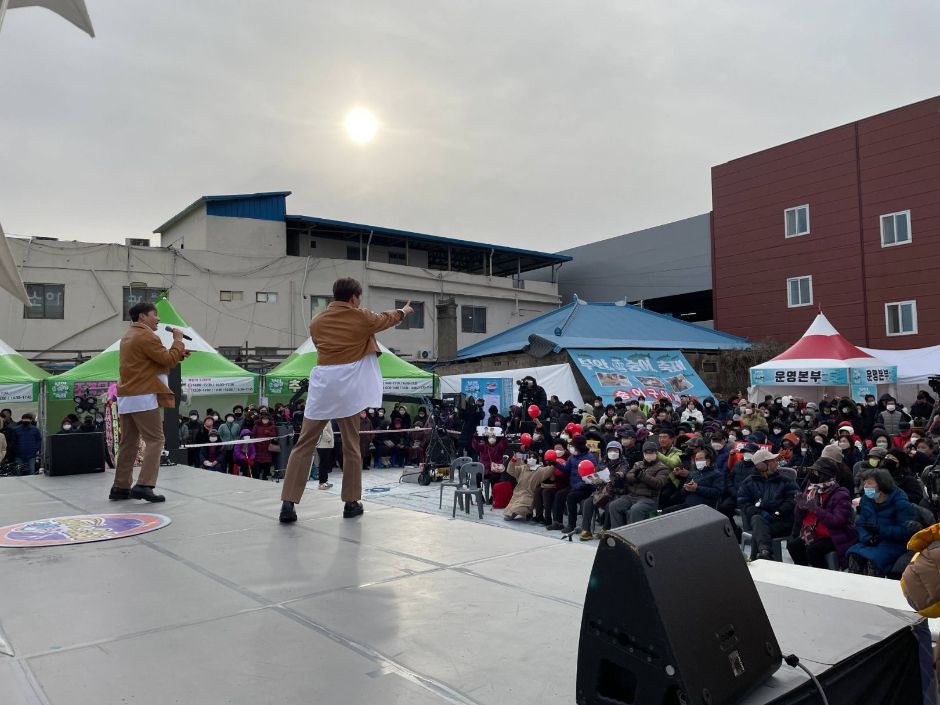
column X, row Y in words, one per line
column 215, row 380
column 400, row 378
column 19, row 378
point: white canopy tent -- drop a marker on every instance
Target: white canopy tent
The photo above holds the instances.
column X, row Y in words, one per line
column 915, row 366
column 822, row 362
column 554, row 379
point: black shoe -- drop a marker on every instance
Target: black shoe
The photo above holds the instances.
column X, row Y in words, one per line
column 288, row 516
column 141, row 492
column 119, row 493
column 352, row 509
column 765, row 555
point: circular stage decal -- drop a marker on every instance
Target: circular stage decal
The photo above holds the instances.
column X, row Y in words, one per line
column 84, row 528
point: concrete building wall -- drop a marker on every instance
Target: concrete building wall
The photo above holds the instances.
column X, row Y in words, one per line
column 94, row 276
column 189, row 233
column 249, row 237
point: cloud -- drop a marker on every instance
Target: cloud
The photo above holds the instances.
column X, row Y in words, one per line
column 532, row 124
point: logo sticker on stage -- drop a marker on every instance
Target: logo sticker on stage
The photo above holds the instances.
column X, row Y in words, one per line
column 84, row 528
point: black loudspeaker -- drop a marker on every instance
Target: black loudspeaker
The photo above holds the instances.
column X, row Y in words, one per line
column 672, row 616
column 75, row 453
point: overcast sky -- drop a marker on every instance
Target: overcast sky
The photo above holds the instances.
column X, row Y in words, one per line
column 534, row 124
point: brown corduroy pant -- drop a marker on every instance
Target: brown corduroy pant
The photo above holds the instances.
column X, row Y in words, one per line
column 301, row 455
column 146, row 425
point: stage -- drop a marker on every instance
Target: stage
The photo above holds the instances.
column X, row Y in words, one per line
column 226, row 605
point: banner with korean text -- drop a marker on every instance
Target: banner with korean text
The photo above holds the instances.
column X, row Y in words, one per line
column 631, row 373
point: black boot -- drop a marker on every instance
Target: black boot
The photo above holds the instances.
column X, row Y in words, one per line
column 352, row 509
column 288, row 514
column 147, row 493
column 119, row 493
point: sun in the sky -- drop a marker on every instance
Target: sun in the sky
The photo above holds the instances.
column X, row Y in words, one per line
column 361, row 125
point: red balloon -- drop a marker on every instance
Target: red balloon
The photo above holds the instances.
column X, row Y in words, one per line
column 534, row 411
column 526, row 440
column 570, row 427
column 585, row 467
column 550, row 455
column 577, row 429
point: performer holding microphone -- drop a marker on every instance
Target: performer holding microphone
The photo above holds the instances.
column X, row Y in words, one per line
column 345, row 381
column 142, row 390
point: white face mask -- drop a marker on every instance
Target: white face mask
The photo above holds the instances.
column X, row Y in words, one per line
column 229, row 419
column 531, row 462
column 649, row 457
column 890, row 407
column 732, row 437
column 491, row 440
column 66, row 427
column 700, row 464
column 748, row 411
column 718, row 446
column 613, row 456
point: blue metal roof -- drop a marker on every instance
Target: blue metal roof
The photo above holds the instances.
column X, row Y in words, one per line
column 435, row 239
column 269, row 205
column 581, row 324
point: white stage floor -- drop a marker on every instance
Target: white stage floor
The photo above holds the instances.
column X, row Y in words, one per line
column 226, row 605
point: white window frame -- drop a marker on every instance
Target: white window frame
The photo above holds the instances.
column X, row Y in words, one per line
column 795, row 209
column 881, row 228
column 899, row 304
column 790, row 303
column 265, row 297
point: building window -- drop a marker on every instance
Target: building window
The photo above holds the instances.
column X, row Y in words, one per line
column 416, row 319
column 45, row 301
column 318, row 304
column 353, row 252
column 473, row 319
column 397, row 258
column 313, row 244
column 266, row 297
column 901, row 318
column 265, row 352
column 799, row 291
column 135, row 295
column 796, row 221
column 895, row 228
column 231, row 296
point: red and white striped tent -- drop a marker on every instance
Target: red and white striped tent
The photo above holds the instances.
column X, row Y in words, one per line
column 822, row 362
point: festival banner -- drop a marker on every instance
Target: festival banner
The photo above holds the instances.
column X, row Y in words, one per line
column 654, row 374
column 495, row 391
column 19, row 392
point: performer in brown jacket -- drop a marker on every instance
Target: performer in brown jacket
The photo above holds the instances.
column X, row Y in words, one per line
column 142, row 390
column 345, row 381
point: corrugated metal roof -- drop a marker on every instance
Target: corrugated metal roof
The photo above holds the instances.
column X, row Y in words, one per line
column 268, row 205
column 435, row 239
column 581, row 324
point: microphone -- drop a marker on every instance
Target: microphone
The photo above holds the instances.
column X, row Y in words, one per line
column 185, row 337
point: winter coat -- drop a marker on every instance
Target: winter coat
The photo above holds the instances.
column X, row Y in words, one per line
column 571, row 468
column 692, row 415
column 775, row 492
column 214, row 454
column 891, row 420
column 262, row 454
column 326, row 438
column 230, row 431
column 490, row 454
column 834, row 511
column 711, row 486
column 527, row 484
column 742, row 470
column 920, row 582
column 894, row 518
column 647, row 480
column 244, row 452
column 28, row 440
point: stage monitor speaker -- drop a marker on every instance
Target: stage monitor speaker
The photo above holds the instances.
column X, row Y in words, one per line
column 75, row 453
column 672, row 616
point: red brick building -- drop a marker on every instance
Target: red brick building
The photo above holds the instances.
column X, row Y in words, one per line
column 847, row 219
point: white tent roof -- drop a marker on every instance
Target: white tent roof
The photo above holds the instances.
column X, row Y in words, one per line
column 554, row 379
column 914, row 366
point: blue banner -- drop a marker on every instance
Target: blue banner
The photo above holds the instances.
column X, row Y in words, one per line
column 630, row 373
column 826, row 376
column 496, row 391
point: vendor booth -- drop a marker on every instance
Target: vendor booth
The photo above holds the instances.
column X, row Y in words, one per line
column 556, row 380
column 19, row 382
column 400, row 378
column 820, row 363
column 209, row 379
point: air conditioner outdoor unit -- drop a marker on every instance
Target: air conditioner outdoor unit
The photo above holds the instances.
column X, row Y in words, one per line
column 424, row 354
